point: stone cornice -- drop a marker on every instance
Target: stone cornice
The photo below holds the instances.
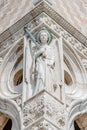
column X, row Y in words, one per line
column 43, row 7
column 43, row 20
column 65, row 24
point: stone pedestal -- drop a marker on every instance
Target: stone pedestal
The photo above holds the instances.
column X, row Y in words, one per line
column 44, row 112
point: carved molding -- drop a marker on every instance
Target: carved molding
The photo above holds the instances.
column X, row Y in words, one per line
column 43, row 7
column 18, row 100
column 77, row 108
column 84, row 63
column 46, row 21
column 43, row 125
column 42, row 105
column 11, row 110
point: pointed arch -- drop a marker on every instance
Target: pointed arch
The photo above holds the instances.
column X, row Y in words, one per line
column 78, row 108
column 12, row 111
column 8, row 67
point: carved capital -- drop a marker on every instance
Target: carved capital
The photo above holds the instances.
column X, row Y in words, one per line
column 43, row 105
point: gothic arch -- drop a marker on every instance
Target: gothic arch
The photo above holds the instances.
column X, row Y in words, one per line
column 16, row 52
column 73, row 58
column 11, row 110
column 8, row 69
column 76, row 68
column 78, row 108
column 15, row 48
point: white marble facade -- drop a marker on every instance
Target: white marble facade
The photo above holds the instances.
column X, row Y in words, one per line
column 43, row 70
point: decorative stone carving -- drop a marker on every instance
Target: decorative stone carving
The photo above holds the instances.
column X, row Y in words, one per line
column 44, row 18
column 42, row 111
column 34, row 128
column 3, row 105
column 78, row 46
column 5, row 45
column 43, row 54
column 44, row 105
column 45, row 61
column 77, row 109
column 84, row 61
column 19, row 101
column 61, row 121
column 33, row 110
column 84, row 51
column 43, row 125
column 18, row 35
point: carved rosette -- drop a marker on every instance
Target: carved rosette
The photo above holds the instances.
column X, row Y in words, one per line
column 44, row 106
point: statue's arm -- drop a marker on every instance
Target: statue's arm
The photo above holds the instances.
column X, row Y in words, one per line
column 39, row 52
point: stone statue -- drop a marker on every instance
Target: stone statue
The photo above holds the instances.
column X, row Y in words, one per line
column 43, row 61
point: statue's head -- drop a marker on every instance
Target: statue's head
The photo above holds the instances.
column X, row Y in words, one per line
column 44, row 37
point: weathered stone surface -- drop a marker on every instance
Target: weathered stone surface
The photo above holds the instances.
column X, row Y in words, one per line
column 44, row 106
column 43, row 72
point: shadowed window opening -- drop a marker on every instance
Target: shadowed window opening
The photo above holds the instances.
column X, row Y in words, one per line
column 67, row 78
column 8, row 126
column 18, row 78
column 76, row 126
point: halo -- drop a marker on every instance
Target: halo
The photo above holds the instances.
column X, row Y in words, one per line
column 49, row 35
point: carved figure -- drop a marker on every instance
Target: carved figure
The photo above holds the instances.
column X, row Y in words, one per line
column 43, row 61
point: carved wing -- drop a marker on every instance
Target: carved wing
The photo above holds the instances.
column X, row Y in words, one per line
column 60, row 43
column 60, row 46
column 27, row 67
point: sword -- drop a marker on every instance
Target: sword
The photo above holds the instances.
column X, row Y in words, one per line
column 27, row 31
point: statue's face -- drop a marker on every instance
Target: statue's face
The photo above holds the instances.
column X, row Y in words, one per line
column 43, row 37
